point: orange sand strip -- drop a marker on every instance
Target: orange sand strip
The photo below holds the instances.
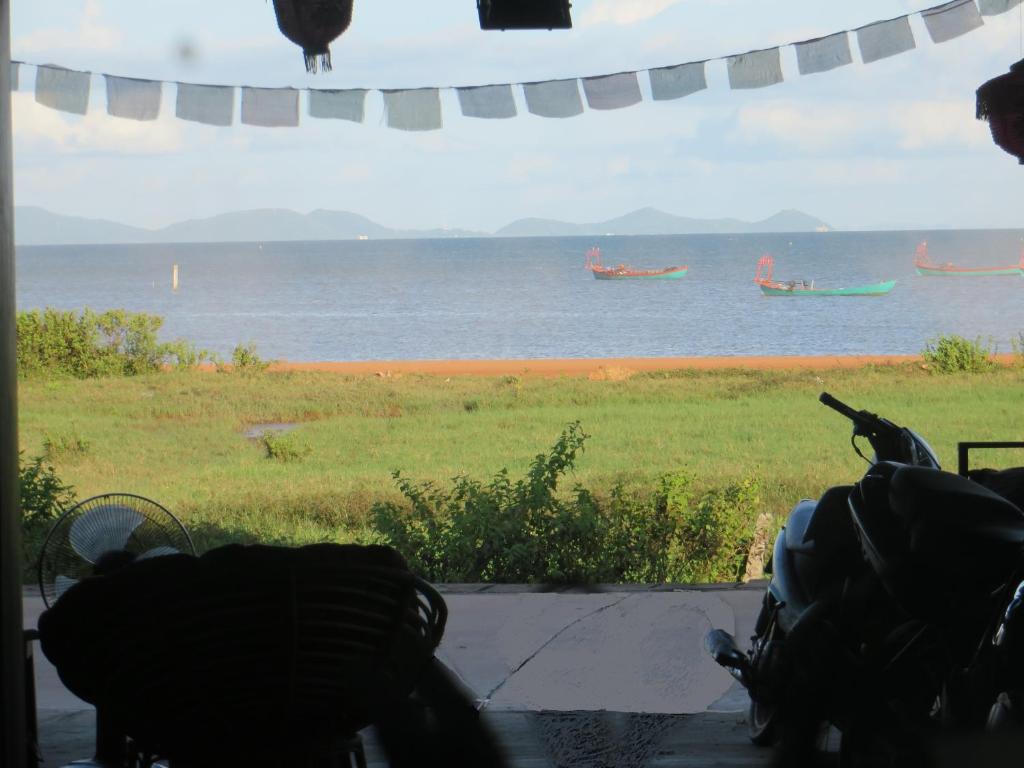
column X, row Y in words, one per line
column 617, row 367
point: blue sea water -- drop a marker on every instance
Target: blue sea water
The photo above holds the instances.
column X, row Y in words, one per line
column 532, row 298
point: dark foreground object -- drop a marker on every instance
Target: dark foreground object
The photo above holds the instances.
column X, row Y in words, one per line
column 262, row 656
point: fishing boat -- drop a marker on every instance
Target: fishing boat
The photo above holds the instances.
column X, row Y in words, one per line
column 770, row 287
column 928, row 269
column 626, row 272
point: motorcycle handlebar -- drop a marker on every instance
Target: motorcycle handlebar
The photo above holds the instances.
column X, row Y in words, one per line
column 866, row 423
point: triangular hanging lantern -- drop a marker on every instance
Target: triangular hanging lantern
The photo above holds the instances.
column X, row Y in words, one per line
column 313, row 24
column 1001, row 102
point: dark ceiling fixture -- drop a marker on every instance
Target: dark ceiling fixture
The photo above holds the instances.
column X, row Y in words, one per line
column 1001, row 102
column 524, row 14
column 312, row 25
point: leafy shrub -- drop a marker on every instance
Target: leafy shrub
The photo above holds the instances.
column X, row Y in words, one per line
column 955, row 354
column 713, row 536
column 244, row 359
column 525, row 531
column 284, row 447
column 69, row 445
column 43, row 497
column 496, row 531
column 89, row 344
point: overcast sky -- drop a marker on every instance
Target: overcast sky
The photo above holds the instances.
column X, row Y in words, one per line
column 890, row 143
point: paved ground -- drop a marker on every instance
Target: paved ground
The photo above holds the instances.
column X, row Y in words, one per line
column 615, row 677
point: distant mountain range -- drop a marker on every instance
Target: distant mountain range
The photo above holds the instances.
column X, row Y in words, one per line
column 37, row 226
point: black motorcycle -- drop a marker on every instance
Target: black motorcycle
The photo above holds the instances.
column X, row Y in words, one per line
column 895, row 611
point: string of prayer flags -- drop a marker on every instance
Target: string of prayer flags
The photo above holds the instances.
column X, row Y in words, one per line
column 493, row 102
column 755, row 69
column 63, row 89
column 823, row 54
column 270, row 107
column 133, row 99
column 884, row 39
column 553, row 98
column 612, row 91
column 417, row 109
column 951, row 20
column 678, row 81
column 338, row 105
column 209, row 104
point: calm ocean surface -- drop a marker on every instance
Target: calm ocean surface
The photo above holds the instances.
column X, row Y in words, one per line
column 530, row 297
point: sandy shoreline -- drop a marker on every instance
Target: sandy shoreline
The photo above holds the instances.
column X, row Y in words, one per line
column 594, row 367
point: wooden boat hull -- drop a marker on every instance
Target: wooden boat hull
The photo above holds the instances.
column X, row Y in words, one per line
column 935, row 271
column 926, row 268
column 780, row 289
column 669, row 274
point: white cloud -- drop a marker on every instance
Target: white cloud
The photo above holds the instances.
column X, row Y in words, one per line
column 926, row 124
column 623, row 12
column 89, row 34
column 809, row 126
column 39, row 127
column 820, row 126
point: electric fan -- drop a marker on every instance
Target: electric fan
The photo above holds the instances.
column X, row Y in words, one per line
column 104, row 533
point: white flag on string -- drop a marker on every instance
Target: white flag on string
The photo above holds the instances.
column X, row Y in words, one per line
column 270, row 107
column 755, row 69
column 951, row 20
column 348, row 104
column 63, row 89
column 487, row 101
column 612, row 91
column 417, row 109
column 823, row 54
column 995, row 7
column 885, row 38
column 133, row 99
column 553, row 98
column 678, row 81
column 209, row 104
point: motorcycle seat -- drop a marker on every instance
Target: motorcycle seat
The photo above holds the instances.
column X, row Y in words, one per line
column 942, row 509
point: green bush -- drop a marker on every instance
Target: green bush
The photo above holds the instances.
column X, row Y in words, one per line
column 525, row 531
column 42, row 498
column 244, row 359
column 89, row 344
column 496, row 531
column 713, row 536
column 955, row 354
column 285, row 447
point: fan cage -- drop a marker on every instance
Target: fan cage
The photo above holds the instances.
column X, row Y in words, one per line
column 56, row 553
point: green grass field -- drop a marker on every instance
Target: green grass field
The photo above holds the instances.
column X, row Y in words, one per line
column 178, row 437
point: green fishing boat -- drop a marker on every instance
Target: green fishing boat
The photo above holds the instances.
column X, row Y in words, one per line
column 926, row 268
column 770, row 287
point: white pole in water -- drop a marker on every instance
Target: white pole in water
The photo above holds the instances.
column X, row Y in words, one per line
column 174, row 278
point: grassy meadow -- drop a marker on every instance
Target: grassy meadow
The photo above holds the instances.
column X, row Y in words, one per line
column 178, row 437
